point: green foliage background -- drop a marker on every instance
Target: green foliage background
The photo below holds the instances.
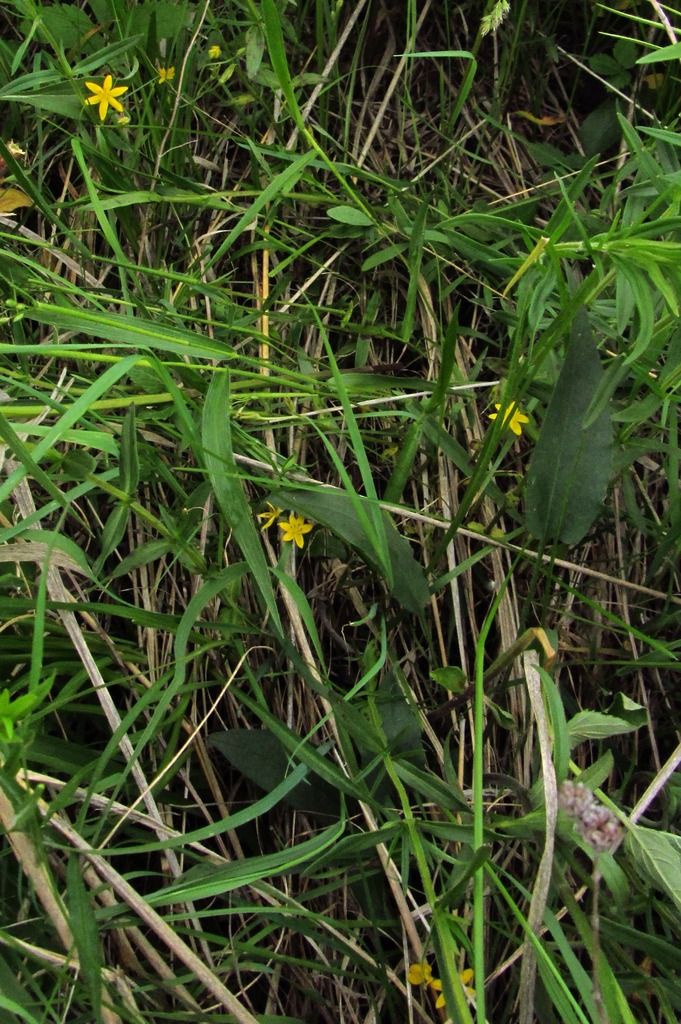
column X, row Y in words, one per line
column 243, row 780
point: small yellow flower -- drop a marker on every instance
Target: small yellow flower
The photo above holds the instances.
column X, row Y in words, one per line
column 420, row 974
column 294, row 529
column 123, row 120
column 270, row 517
column 654, row 81
column 166, row 74
column 214, row 52
column 105, row 95
column 466, row 978
column 436, row 986
column 512, row 417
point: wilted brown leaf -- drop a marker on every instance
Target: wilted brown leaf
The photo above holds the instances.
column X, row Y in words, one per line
column 12, row 199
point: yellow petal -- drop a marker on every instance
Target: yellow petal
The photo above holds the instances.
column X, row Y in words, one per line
column 419, row 974
column 13, row 199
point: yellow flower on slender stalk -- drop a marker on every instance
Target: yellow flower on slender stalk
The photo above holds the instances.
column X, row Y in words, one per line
column 436, row 986
column 294, row 529
column 166, row 75
column 466, row 979
column 420, row 974
column 105, row 95
column 270, row 517
column 513, row 418
column 214, row 52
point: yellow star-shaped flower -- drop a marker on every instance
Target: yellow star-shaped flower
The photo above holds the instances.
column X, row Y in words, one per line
column 294, row 529
column 105, row 95
column 420, row 974
column 466, row 978
column 214, row 52
column 269, row 517
column 512, row 417
column 166, row 75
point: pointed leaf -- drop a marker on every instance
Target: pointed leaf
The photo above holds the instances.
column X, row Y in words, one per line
column 261, row 757
column 569, row 470
column 658, row 857
column 228, row 488
column 336, row 510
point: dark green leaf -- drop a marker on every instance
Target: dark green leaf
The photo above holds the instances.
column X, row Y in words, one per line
column 260, row 756
column 130, row 466
column 228, row 488
column 85, row 932
column 77, row 465
column 600, row 129
column 570, row 468
column 335, row 510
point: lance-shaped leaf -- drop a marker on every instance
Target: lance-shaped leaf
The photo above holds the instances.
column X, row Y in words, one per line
column 569, row 470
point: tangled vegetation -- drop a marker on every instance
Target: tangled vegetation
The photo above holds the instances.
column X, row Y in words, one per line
column 340, row 511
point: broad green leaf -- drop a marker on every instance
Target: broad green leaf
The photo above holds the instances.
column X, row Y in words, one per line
column 600, row 129
column 77, row 465
column 169, row 18
column 261, row 757
column 66, row 24
column 228, row 488
column 452, row 677
column 255, row 47
column 657, row 855
column 628, row 710
column 665, row 53
column 349, row 215
column 399, row 719
column 594, row 725
column 335, row 510
column 568, row 473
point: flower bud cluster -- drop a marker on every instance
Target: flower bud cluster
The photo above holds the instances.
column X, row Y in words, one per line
column 594, row 822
